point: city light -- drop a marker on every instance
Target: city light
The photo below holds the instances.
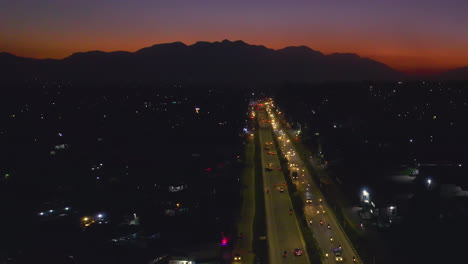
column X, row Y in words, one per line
column 365, row 196
column 166, row 157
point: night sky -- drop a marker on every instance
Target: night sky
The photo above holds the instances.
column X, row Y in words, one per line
column 410, row 35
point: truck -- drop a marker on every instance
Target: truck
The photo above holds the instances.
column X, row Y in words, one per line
column 308, row 197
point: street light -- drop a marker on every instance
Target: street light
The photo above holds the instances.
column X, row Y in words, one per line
column 365, row 196
column 392, row 210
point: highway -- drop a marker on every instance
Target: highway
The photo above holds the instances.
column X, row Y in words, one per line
column 318, row 210
column 283, row 231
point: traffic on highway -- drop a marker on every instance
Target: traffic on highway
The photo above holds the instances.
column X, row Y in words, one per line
column 285, row 241
column 285, row 238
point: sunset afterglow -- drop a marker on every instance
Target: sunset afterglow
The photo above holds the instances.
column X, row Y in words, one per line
column 411, row 36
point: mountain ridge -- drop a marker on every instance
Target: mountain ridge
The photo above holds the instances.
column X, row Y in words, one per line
column 457, row 74
column 219, row 61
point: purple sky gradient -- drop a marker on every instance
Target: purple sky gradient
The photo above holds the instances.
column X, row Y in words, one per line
column 411, row 35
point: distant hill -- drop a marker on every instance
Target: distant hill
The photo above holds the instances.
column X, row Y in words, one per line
column 225, row 62
column 459, row 74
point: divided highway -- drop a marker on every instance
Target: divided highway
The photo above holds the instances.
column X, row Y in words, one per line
column 318, row 211
column 283, row 231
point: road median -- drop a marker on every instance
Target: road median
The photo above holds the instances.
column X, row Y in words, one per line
column 334, row 199
column 313, row 250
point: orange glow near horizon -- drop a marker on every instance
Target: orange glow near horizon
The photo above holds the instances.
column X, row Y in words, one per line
column 399, row 60
column 410, row 36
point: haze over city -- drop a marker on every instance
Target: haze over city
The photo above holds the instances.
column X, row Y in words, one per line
column 419, row 36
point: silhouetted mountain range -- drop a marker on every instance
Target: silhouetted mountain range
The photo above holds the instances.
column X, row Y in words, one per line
column 225, row 62
column 459, row 74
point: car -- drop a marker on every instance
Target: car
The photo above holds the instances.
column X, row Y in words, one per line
column 281, row 189
column 338, row 254
column 294, row 175
column 237, row 257
column 298, row 252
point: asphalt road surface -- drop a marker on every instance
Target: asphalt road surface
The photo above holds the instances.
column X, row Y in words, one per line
column 243, row 246
column 283, row 231
column 318, row 210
